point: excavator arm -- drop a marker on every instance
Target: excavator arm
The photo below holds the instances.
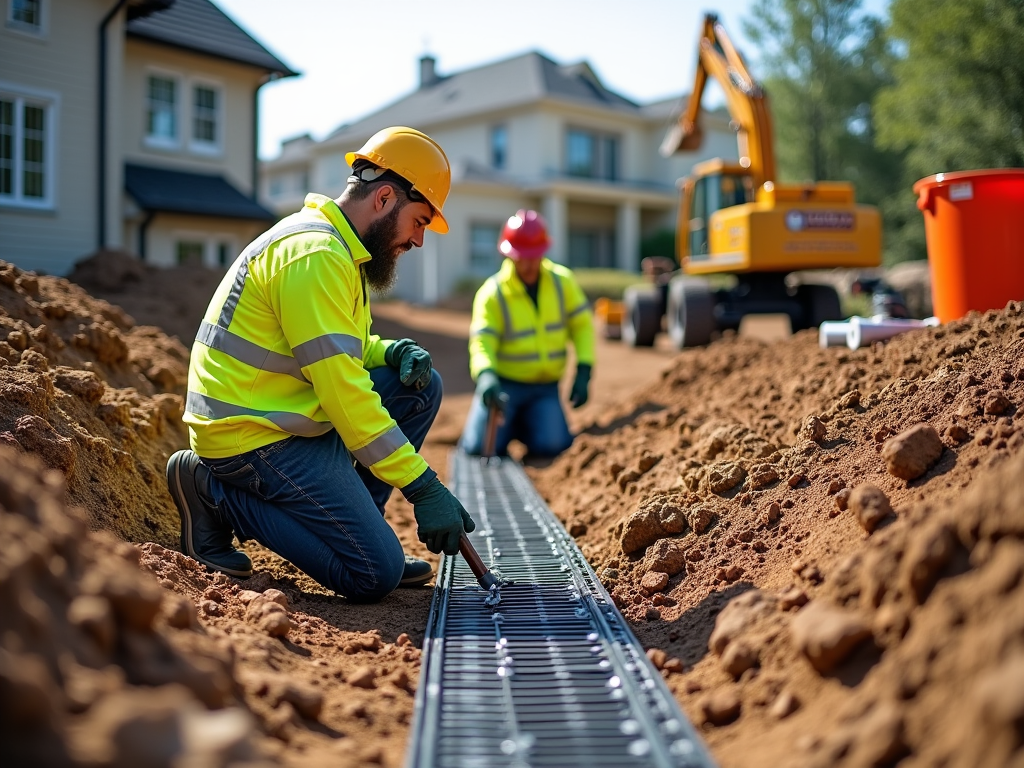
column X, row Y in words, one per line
column 745, row 98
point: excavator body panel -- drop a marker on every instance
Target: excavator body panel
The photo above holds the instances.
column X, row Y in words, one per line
column 726, row 227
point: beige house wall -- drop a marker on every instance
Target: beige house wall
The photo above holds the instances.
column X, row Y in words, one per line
column 48, row 68
column 236, row 83
column 165, row 231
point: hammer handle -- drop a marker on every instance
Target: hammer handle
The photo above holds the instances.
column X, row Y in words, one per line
column 476, row 565
column 491, row 435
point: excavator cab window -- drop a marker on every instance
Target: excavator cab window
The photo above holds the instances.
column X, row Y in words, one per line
column 712, row 193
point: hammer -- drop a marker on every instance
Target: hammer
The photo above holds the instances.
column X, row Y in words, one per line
column 484, row 577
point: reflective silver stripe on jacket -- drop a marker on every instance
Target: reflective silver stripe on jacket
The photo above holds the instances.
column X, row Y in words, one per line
column 524, row 358
column 241, row 265
column 556, row 354
column 245, row 351
column 506, row 315
column 581, row 308
column 292, row 423
column 381, row 447
column 561, row 296
column 328, row 345
column 485, row 332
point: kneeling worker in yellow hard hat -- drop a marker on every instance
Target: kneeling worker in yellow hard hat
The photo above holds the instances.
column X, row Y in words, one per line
column 300, row 420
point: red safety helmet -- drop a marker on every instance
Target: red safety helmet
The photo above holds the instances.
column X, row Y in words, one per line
column 524, row 237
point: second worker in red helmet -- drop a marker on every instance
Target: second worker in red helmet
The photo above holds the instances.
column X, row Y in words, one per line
column 524, row 318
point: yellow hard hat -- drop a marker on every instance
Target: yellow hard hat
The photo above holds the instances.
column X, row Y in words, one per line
column 415, row 157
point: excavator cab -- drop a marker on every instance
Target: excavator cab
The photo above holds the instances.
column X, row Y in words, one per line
column 713, row 186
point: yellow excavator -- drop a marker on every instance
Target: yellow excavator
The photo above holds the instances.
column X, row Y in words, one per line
column 736, row 218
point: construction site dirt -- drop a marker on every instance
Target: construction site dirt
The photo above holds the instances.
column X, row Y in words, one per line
column 821, row 579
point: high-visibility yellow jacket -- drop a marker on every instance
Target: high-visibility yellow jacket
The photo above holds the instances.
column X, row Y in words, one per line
column 285, row 349
column 526, row 342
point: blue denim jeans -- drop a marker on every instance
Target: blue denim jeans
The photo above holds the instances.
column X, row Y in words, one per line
column 533, row 415
column 310, row 502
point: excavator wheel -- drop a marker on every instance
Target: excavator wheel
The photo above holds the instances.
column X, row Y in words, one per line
column 641, row 315
column 690, row 312
column 820, row 304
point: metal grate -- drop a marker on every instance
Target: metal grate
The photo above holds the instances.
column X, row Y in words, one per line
column 552, row 676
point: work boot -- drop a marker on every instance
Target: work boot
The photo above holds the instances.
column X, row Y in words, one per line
column 204, row 533
column 416, row 573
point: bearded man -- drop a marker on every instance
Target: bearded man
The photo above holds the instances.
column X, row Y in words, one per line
column 300, row 420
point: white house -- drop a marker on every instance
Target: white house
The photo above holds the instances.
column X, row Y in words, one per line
column 525, row 132
column 128, row 124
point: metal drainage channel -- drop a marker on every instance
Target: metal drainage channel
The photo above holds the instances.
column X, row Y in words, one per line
column 551, row 676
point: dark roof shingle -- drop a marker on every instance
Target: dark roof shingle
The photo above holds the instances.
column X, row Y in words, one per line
column 199, row 25
column 166, row 191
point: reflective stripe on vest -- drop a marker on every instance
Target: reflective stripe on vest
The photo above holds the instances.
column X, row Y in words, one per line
column 241, row 264
column 380, row 447
column 252, row 354
column 292, row 423
column 245, row 351
column 249, row 352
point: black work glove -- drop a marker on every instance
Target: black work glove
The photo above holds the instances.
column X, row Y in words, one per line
column 489, row 388
column 411, row 361
column 580, row 386
column 440, row 518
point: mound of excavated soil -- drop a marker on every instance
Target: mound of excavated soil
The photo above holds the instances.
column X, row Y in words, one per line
column 174, row 299
column 823, row 549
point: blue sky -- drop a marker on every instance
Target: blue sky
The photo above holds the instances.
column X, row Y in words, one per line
column 357, row 57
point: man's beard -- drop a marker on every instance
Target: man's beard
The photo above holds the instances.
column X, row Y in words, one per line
column 379, row 241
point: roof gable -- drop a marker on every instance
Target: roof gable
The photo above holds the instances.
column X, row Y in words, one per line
column 528, row 78
column 202, row 27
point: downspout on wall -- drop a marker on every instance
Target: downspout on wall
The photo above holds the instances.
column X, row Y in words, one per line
column 101, row 154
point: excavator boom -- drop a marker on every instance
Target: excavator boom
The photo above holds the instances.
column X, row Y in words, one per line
column 745, row 98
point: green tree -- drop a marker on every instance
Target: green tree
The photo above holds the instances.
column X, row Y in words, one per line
column 957, row 102
column 824, row 62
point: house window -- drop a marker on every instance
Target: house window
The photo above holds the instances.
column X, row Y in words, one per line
column 484, row 258
column 26, row 15
column 162, row 110
column 499, row 146
column 190, row 253
column 276, row 186
column 205, row 112
column 26, row 144
column 592, row 155
column 224, row 254
column 591, row 248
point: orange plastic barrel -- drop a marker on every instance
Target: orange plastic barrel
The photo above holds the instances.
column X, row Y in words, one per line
column 974, row 226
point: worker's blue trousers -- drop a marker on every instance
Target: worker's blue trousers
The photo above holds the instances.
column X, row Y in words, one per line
column 308, row 501
column 533, row 416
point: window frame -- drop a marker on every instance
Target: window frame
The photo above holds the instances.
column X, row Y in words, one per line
column 40, row 31
column 604, row 163
column 211, row 242
column 198, row 146
column 499, row 154
column 476, row 265
column 160, row 142
column 49, row 102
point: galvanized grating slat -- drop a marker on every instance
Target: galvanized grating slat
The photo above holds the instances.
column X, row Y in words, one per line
column 552, row 676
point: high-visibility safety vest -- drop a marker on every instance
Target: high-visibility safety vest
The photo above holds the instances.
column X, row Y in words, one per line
column 526, row 342
column 285, row 349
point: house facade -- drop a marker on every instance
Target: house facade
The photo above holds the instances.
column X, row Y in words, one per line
column 128, row 124
column 526, row 132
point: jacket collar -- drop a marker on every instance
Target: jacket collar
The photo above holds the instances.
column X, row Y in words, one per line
column 330, row 210
column 507, row 274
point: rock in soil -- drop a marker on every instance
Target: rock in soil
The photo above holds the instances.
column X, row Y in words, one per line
column 912, row 452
